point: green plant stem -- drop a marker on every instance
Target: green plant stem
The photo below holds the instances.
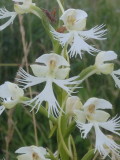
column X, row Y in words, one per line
column 89, row 155
column 96, row 155
column 74, row 148
column 61, row 137
column 70, row 128
column 46, row 24
column 44, row 112
column 9, row 65
column 60, row 5
column 87, row 72
column 20, row 136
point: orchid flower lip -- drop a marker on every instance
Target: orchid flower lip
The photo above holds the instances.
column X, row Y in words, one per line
column 76, row 40
column 4, row 13
column 116, row 77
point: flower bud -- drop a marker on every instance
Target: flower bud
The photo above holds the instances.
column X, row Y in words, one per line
column 73, row 103
column 101, row 58
column 23, row 8
column 10, row 94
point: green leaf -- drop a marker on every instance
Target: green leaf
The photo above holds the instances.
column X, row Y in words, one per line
column 52, row 131
column 51, row 155
column 89, row 155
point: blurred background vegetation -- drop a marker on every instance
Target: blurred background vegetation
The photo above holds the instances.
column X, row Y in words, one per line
column 16, row 126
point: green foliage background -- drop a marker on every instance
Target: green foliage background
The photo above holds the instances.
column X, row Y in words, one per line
column 11, row 52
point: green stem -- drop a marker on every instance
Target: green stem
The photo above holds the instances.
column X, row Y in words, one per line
column 9, row 65
column 61, row 137
column 96, row 155
column 74, row 148
column 60, row 5
column 44, row 112
column 39, row 13
column 70, row 128
column 89, row 155
column 87, row 72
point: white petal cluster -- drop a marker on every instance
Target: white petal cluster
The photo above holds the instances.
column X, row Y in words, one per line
column 103, row 66
column 32, row 153
column 75, row 22
column 50, row 68
column 91, row 116
column 19, row 9
column 10, row 95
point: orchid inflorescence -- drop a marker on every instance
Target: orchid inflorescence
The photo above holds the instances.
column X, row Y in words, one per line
column 52, row 69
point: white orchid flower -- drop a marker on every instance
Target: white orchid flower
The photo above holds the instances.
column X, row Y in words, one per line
column 51, row 68
column 75, row 23
column 93, row 116
column 112, row 155
column 32, row 153
column 19, row 9
column 10, row 95
column 104, row 67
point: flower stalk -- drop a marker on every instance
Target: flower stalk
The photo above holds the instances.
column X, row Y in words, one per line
column 60, row 5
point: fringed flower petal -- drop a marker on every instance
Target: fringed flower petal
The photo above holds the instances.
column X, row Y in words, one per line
column 112, row 125
column 2, row 108
column 95, row 33
column 116, row 76
column 4, row 13
column 48, row 96
column 63, row 38
column 103, row 141
column 78, row 45
column 26, row 80
column 66, row 84
column 84, row 128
